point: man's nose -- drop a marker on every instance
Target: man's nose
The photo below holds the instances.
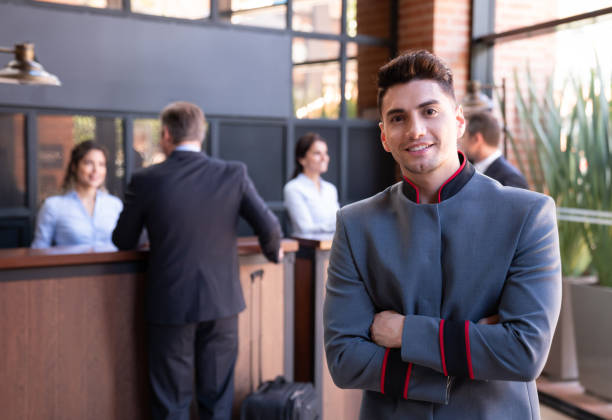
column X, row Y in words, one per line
column 415, row 128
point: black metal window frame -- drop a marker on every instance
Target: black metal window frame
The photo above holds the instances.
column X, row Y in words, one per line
column 483, row 36
column 342, row 124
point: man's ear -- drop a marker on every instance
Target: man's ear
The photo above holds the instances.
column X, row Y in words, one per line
column 478, row 138
column 383, row 138
column 461, row 122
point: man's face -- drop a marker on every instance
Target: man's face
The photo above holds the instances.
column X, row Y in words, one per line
column 420, row 126
column 468, row 145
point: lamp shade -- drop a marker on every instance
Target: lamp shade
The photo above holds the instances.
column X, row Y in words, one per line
column 475, row 100
column 25, row 70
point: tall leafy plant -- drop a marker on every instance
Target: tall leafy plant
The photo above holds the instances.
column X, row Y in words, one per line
column 591, row 130
column 552, row 163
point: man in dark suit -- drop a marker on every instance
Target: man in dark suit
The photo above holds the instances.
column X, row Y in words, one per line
column 190, row 205
column 481, row 145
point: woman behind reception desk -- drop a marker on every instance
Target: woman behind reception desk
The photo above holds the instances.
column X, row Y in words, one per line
column 86, row 214
column 311, row 201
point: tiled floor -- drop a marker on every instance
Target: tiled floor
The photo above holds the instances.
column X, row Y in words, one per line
column 550, row 414
column 572, row 393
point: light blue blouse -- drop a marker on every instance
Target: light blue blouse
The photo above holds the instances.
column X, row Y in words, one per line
column 311, row 210
column 63, row 220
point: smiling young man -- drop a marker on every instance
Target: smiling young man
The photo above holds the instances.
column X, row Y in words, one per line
column 432, row 308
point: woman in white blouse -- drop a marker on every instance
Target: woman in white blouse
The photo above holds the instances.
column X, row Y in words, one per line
column 311, row 201
column 86, row 214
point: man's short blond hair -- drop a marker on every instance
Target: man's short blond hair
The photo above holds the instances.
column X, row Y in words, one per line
column 185, row 122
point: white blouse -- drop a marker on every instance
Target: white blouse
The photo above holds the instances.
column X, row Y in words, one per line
column 311, row 210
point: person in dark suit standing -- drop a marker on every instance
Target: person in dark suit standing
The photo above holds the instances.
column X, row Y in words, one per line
column 481, row 145
column 190, row 205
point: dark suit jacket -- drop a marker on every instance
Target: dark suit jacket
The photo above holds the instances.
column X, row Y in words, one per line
column 190, row 205
column 502, row 171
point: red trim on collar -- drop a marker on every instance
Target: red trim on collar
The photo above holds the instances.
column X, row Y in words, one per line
column 452, row 176
column 415, row 188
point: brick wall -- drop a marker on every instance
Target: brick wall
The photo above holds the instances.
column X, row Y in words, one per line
column 372, row 19
column 442, row 27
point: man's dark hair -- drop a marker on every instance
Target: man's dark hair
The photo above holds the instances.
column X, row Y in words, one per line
column 414, row 65
column 301, row 148
column 486, row 124
column 184, row 120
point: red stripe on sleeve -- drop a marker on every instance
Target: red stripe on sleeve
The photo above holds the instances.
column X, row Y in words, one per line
column 442, row 347
column 384, row 369
column 467, row 349
column 408, row 371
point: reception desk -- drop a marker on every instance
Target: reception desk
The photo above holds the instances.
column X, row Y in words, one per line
column 311, row 264
column 72, row 330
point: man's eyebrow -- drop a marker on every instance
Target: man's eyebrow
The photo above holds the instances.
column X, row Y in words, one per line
column 427, row 103
column 394, row 111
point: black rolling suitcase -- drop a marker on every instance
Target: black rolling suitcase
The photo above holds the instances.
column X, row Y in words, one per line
column 278, row 399
column 281, row 400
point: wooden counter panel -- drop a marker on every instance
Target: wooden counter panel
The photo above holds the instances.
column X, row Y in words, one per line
column 80, row 255
column 73, row 348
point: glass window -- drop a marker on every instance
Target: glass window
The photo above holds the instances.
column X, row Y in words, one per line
column 563, row 55
column 317, row 16
column 316, row 78
column 316, row 90
column 265, row 13
column 102, row 4
column 185, row 9
column 58, row 134
column 12, row 161
column 512, row 14
column 308, row 50
column 366, row 17
column 146, row 136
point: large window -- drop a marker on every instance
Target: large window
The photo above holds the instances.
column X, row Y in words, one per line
column 560, row 54
column 324, row 60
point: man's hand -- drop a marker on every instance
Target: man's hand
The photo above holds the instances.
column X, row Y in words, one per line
column 490, row 320
column 386, row 329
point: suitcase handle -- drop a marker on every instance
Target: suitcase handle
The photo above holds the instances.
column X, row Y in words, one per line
column 254, row 276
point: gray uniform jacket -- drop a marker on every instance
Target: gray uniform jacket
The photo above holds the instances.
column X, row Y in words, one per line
column 484, row 249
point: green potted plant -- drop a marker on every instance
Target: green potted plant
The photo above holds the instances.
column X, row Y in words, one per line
column 554, row 166
column 592, row 304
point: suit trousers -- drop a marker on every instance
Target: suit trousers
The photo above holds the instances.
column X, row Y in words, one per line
column 175, row 351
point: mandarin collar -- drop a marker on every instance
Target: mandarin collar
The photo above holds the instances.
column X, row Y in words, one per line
column 449, row 188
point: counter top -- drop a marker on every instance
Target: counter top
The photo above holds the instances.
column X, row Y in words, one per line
column 85, row 254
column 322, row 242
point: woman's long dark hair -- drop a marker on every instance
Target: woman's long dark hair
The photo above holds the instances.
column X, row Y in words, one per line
column 301, row 148
column 78, row 152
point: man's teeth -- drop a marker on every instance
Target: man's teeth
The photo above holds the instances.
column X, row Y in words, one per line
column 418, row 148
